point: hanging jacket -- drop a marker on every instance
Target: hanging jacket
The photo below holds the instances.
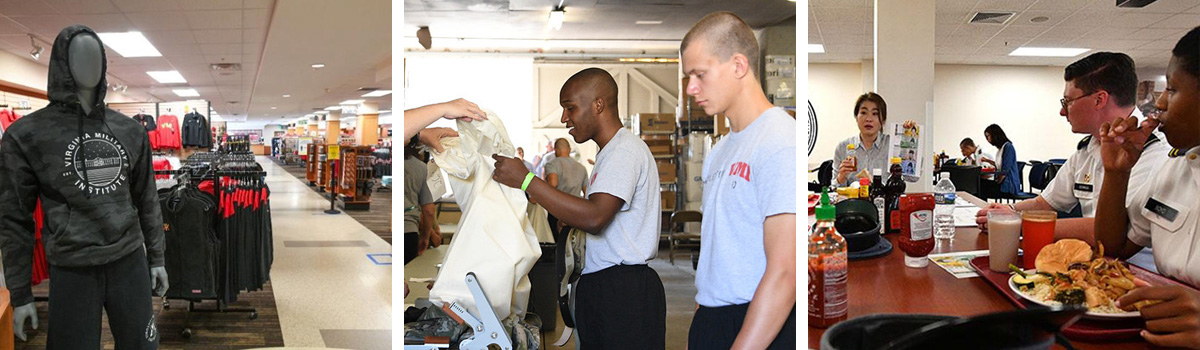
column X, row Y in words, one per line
column 91, row 171
column 147, row 121
column 191, row 243
column 195, row 131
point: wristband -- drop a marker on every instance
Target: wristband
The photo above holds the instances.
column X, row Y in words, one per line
column 528, row 179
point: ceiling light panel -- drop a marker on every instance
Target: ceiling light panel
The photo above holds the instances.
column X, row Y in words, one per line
column 186, row 92
column 130, row 44
column 167, row 77
column 1048, row 51
column 378, row 93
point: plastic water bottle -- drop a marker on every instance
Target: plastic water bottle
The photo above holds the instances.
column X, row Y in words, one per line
column 943, row 211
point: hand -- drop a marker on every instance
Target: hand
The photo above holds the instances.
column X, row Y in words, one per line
column 981, row 216
column 20, row 314
column 1121, row 142
column 435, row 237
column 406, row 289
column 910, row 123
column 423, row 241
column 1175, row 322
column 845, row 169
column 461, row 109
column 509, row 171
column 432, row 137
column 158, row 279
column 591, row 161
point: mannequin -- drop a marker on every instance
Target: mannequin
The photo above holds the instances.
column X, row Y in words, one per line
column 98, row 249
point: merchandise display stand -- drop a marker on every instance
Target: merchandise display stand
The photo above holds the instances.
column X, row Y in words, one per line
column 209, row 172
column 356, row 178
column 314, row 149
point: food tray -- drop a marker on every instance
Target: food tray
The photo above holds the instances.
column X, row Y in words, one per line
column 1085, row 329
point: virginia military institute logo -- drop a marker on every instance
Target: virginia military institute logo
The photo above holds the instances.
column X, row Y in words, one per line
column 101, row 158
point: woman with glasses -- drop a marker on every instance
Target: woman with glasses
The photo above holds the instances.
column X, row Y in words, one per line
column 1008, row 176
column 1168, row 216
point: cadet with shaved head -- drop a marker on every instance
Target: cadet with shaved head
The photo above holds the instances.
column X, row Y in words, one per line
column 620, row 300
column 746, row 279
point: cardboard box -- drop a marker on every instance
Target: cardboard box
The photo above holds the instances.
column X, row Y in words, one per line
column 661, row 150
column 660, row 146
column 720, row 124
column 653, row 123
column 668, row 200
column 666, row 171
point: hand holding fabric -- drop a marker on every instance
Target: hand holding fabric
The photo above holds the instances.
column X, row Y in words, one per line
column 509, row 171
column 432, row 137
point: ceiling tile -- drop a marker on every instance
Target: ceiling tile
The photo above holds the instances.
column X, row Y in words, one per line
column 180, row 50
column 224, row 19
column 1014, row 31
column 75, row 7
column 1180, row 21
column 1137, row 20
column 1109, row 44
column 47, row 26
column 985, row 30
column 170, row 37
column 254, row 35
column 1044, row 41
column 1087, row 19
column 848, row 40
column 1195, row 10
column 954, row 50
column 1004, row 5
column 219, row 36
column 843, row 14
column 952, row 17
column 221, row 49
column 197, row 59
column 1158, row 45
column 223, row 58
column 1154, row 34
column 1053, row 18
column 258, row 4
column 1169, row 6
column 148, row 21
column 994, row 51
column 1060, row 5
column 256, row 18
column 132, row 6
column 955, row 4
column 844, row 28
column 963, row 40
column 9, row 27
column 1069, row 33
column 211, row 5
column 25, row 8
column 105, row 23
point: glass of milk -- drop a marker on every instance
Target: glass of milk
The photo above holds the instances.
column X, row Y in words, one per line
column 1004, row 236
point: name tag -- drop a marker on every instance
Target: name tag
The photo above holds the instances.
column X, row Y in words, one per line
column 1083, row 187
column 1163, row 210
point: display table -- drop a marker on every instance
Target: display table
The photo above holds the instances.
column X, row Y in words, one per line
column 885, row 286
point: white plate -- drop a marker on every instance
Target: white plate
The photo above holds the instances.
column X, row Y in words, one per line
column 1089, row 314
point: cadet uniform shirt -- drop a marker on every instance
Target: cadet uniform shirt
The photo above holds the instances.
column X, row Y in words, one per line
column 1079, row 180
column 625, row 169
column 1168, row 216
column 748, row 176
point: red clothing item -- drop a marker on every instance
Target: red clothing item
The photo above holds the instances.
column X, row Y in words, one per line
column 162, row 164
column 168, row 132
column 7, row 117
column 41, row 270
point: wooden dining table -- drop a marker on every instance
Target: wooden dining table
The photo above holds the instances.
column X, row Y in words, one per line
column 884, row 285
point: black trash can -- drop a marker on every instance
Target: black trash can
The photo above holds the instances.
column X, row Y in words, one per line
column 543, row 294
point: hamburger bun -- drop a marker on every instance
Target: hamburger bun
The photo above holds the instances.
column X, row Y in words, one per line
column 1055, row 258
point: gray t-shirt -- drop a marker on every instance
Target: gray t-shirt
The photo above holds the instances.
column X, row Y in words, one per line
column 625, row 169
column 748, row 176
column 874, row 158
column 416, row 192
column 572, row 176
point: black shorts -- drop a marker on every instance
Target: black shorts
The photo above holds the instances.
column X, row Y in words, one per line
column 410, row 246
column 718, row 327
column 621, row 307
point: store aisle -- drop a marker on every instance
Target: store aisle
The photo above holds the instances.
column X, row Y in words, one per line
column 328, row 290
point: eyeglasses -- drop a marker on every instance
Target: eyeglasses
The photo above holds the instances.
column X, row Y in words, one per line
column 1064, row 101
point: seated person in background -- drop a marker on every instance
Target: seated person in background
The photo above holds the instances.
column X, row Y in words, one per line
column 871, row 144
column 1008, row 176
column 973, row 155
column 1167, row 215
column 1099, row 88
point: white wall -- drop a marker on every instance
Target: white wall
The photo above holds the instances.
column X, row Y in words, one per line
column 503, row 84
column 1021, row 99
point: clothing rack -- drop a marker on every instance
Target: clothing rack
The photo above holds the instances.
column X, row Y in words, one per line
column 202, row 167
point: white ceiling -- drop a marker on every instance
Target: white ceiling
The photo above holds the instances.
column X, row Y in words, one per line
column 593, row 26
column 1147, row 34
column 275, row 42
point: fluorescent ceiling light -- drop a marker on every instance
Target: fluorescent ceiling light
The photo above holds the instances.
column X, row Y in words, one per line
column 130, row 44
column 272, row 107
column 816, row 48
column 352, row 102
column 648, row 22
column 286, row 96
column 167, row 77
column 333, row 108
column 318, row 65
column 1048, row 51
column 378, row 93
column 556, row 18
column 186, row 92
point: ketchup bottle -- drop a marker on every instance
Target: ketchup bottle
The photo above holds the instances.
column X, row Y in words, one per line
column 916, row 228
column 827, row 299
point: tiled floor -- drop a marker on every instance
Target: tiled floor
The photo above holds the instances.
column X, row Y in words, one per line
column 322, row 277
